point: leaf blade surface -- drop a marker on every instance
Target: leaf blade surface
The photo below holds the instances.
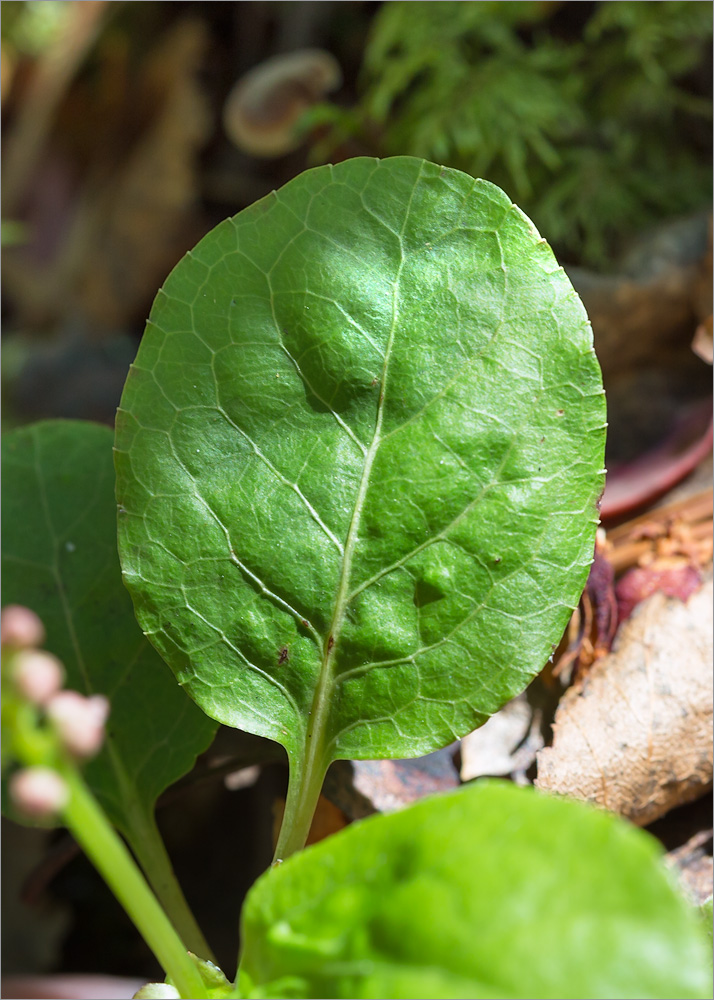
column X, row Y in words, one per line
column 359, row 455
column 59, row 558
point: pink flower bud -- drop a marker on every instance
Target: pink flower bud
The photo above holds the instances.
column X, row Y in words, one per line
column 79, row 721
column 20, row 627
column 38, row 792
column 37, row 676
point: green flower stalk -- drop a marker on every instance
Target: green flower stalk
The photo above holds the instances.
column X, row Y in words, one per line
column 46, row 731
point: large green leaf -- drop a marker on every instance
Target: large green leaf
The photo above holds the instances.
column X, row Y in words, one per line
column 358, row 460
column 60, row 559
column 490, row 891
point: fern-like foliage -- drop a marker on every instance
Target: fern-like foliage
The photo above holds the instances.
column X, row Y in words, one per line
column 596, row 131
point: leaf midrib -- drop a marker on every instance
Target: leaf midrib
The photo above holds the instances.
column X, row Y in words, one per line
column 321, row 705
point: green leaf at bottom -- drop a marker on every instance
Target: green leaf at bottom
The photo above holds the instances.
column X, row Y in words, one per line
column 491, row 891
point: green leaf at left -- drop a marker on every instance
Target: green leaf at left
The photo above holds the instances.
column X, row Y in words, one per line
column 60, row 559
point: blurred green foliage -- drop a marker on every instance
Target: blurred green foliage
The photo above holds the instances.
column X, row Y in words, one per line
column 32, row 26
column 593, row 117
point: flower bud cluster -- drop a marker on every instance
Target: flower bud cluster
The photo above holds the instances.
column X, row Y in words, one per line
column 79, row 721
column 37, row 676
column 20, row 628
column 38, row 792
column 76, row 721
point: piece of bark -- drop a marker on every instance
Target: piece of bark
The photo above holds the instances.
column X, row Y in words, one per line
column 635, row 735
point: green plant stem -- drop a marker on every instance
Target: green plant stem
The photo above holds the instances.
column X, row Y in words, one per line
column 150, row 851
column 304, row 788
column 115, row 864
column 143, row 836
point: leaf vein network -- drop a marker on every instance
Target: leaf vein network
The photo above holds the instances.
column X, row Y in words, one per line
column 285, row 481
column 342, row 423
column 442, row 535
column 241, row 655
column 475, row 610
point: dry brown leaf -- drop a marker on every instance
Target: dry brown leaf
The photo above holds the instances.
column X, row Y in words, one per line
column 505, row 745
column 262, row 113
column 594, row 622
column 682, row 527
column 702, row 342
column 694, row 866
column 362, row 787
column 328, row 819
column 635, row 736
column 675, row 578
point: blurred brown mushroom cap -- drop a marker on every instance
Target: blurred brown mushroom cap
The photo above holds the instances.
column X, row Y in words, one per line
column 263, row 108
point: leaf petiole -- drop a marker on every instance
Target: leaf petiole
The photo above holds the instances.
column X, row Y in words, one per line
column 149, row 849
column 304, row 787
